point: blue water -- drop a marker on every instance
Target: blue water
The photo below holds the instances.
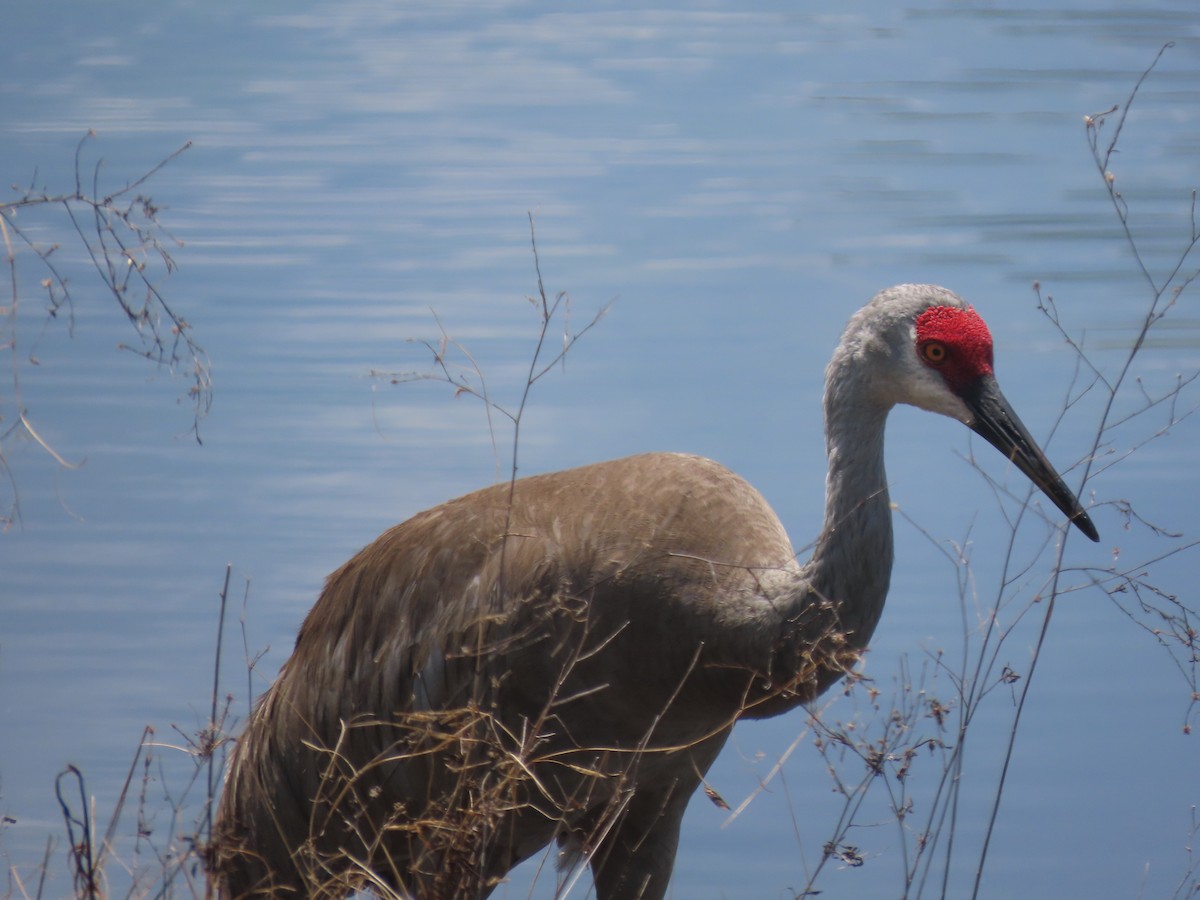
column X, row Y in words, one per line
column 736, row 183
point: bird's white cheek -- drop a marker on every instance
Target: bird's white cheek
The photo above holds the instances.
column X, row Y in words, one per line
column 930, row 393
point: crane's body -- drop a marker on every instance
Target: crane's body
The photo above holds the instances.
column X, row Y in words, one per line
column 564, row 656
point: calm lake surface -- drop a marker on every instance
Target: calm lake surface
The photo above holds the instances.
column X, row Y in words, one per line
column 736, row 183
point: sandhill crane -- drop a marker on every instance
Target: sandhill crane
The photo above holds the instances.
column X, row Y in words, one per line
column 562, row 657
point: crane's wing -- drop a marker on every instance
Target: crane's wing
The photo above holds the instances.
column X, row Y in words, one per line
column 561, row 623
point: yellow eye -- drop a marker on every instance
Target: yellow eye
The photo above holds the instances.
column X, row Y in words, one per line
column 934, row 352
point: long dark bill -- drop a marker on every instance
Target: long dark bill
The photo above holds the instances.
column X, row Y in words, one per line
column 996, row 423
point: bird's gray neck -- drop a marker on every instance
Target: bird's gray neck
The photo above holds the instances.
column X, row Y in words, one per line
column 852, row 561
column 826, row 610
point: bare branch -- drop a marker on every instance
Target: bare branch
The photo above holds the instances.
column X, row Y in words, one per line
column 127, row 247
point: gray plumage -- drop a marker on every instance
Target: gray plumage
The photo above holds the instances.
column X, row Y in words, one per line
column 564, row 657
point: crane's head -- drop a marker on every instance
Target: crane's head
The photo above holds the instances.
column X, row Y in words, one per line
column 923, row 345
